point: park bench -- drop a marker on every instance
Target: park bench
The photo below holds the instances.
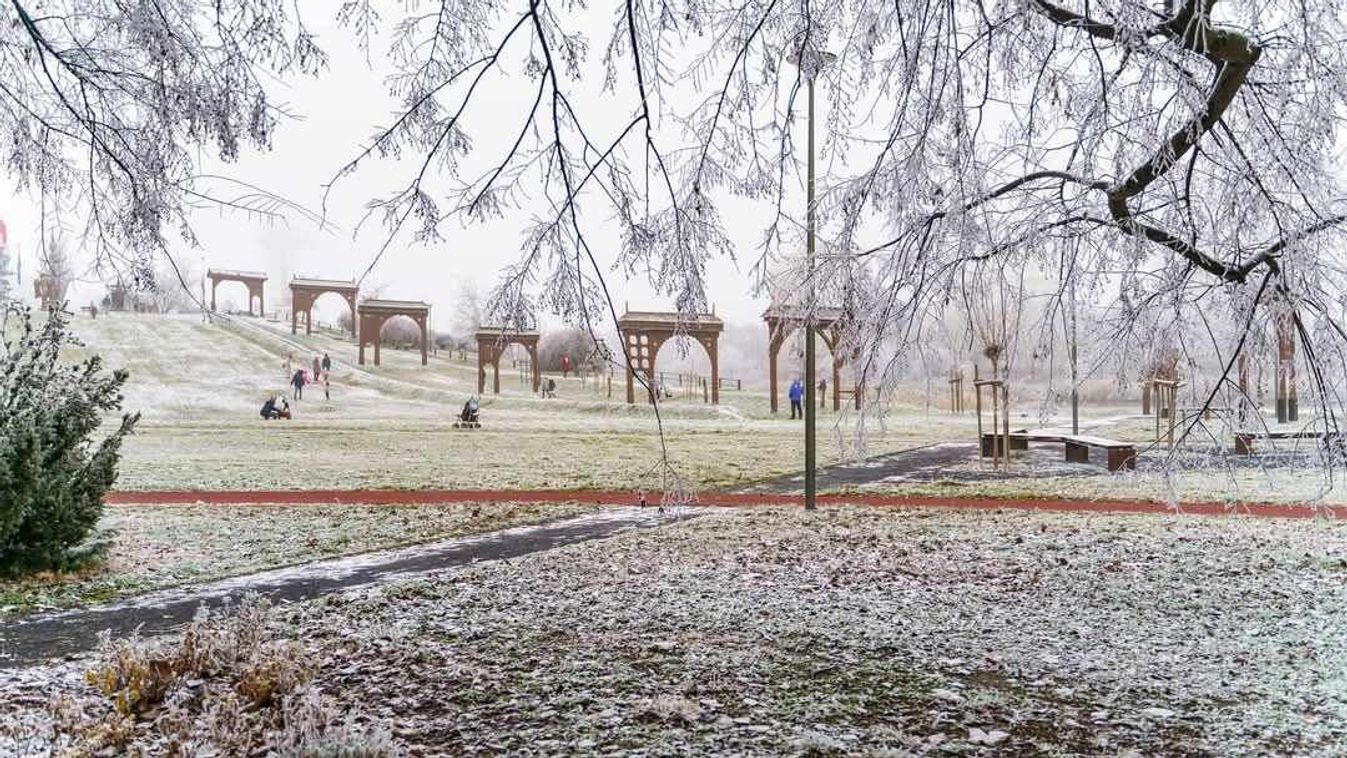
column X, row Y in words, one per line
column 1244, row 440
column 1119, row 455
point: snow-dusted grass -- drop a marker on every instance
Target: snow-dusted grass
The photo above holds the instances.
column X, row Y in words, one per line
column 200, row 385
column 848, row 631
column 1217, row 478
column 308, row 455
column 163, row 546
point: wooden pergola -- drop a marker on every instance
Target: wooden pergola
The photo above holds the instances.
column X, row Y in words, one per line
column 828, row 324
column 491, row 344
column 305, row 292
column 253, row 280
column 644, row 332
column 371, row 315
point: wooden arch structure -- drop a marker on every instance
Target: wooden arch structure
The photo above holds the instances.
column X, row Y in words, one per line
column 491, row 344
column 371, row 315
column 305, row 292
column 644, row 332
column 828, row 323
column 253, row 280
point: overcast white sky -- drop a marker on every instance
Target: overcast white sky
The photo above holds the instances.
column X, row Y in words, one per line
column 336, row 114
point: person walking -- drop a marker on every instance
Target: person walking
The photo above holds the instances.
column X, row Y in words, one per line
column 796, row 399
column 565, row 365
column 317, row 368
column 327, row 385
column 823, row 393
column 297, row 381
column 327, row 363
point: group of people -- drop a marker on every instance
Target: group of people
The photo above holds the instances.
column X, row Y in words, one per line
column 322, row 370
column 272, row 409
column 278, row 407
column 548, row 388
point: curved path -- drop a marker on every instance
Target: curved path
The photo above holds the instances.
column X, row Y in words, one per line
column 32, row 640
column 708, row 498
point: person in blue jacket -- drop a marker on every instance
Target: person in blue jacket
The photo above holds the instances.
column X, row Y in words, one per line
column 796, row 399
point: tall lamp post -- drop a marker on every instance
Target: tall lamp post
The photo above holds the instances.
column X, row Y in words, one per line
column 810, row 62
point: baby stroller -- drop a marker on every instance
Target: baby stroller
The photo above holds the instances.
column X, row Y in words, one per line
column 468, row 417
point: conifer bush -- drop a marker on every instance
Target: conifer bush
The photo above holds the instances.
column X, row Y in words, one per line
column 53, row 472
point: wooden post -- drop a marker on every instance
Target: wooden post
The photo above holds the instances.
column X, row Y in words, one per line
column 978, row 395
column 1005, row 426
column 481, row 367
column 715, row 372
column 996, row 426
column 773, row 347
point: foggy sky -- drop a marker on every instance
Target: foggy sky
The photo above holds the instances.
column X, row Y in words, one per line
column 334, row 116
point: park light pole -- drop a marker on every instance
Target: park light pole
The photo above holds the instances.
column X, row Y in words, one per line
column 810, row 62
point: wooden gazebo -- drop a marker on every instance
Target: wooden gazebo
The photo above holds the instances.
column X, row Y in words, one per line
column 644, row 332
column 828, row 324
column 491, row 344
column 253, row 280
column 371, row 315
column 304, row 292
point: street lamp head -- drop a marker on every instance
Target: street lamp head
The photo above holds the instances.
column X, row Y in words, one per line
column 810, row 61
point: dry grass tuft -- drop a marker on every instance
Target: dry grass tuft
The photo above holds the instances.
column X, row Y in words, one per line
column 231, row 684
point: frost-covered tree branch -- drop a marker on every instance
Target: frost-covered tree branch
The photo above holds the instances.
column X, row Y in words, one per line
column 106, row 107
column 1182, row 149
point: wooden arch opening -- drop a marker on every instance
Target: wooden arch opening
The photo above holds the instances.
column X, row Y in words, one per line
column 491, row 344
column 305, row 292
column 253, row 280
column 373, row 313
column 828, row 324
column 644, row 332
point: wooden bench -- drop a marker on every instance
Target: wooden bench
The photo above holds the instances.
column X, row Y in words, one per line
column 1019, row 440
column 1244, row 440
column 1119, row 455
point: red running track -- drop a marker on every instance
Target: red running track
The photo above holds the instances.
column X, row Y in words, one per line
column 710, row 498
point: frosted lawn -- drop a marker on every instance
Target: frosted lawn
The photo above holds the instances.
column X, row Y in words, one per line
column 170, row 545
column 766, row 632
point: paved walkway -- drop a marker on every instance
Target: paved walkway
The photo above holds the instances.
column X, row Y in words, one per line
column 35, row 639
